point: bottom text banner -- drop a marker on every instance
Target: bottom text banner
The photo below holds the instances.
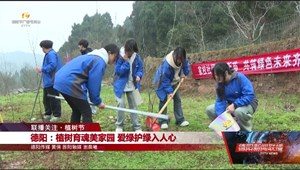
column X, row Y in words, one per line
column 109, row 141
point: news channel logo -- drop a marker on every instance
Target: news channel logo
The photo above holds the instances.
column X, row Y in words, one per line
column 25, row 20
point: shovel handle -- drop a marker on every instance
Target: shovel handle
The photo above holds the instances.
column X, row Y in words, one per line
column 169, row 99
column 138, row 112
column 121, row 109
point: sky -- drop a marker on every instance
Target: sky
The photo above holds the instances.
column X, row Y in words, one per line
column 56, row 20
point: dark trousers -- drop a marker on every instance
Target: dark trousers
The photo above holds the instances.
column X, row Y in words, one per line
column 79, row 108
column 52, row 105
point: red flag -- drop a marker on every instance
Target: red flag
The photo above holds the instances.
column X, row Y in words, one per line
column 67, row 58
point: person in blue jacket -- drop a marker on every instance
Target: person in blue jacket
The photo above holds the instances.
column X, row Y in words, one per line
column 81, row 75
column 174, row 66
column 235, row 94
column 84, row 49
column 51, row 64
column 128, row 74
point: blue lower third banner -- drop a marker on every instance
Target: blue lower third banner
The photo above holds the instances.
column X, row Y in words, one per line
column 266, row 147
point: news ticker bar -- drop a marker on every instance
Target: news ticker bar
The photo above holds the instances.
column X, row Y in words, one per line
column 109, row 138
column 109, row 141
column 242, row 147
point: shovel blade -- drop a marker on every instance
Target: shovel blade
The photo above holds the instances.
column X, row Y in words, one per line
column 149, row 122
column 155, row 127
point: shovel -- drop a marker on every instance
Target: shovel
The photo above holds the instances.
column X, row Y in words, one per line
column 152, row 123
column 166, row 117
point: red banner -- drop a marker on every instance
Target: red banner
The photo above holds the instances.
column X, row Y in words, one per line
column 277, row 62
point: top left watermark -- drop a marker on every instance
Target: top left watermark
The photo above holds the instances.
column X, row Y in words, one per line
column 25, row 20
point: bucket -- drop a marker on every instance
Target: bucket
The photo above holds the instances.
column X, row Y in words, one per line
column 224, row 122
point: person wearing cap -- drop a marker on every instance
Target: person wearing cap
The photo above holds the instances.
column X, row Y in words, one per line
column 51, row 64
column 84, row 73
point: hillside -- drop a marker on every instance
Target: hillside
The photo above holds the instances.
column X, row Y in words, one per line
column 279, row 83
column 15, row 61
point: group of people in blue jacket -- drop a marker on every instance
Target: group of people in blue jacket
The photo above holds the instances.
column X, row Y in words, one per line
column 79, row 82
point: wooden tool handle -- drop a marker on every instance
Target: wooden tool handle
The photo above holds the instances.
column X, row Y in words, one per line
column 169, row 99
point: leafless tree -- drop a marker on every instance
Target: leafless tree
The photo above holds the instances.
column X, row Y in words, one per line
column 196, row 19
column 172, row 30
column 202, row 19
column 7, row 84
column 150, row 67
column 32, row 45
column 297, row 3
column 250, row 27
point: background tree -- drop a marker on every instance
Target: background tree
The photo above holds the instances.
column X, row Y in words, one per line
column 159, row 26
column 7, row 78
column 28, row 77
column 250, row 24
column 297, row 3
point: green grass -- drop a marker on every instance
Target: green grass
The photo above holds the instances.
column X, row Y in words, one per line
column 271, row 115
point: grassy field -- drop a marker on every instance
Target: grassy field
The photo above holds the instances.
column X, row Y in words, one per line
column 276, row 113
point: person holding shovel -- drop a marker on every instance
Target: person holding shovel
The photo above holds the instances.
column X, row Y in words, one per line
column 128, row 74
column 51, row 64
column 235, row 94
column 174, row 66
column 84, row 73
